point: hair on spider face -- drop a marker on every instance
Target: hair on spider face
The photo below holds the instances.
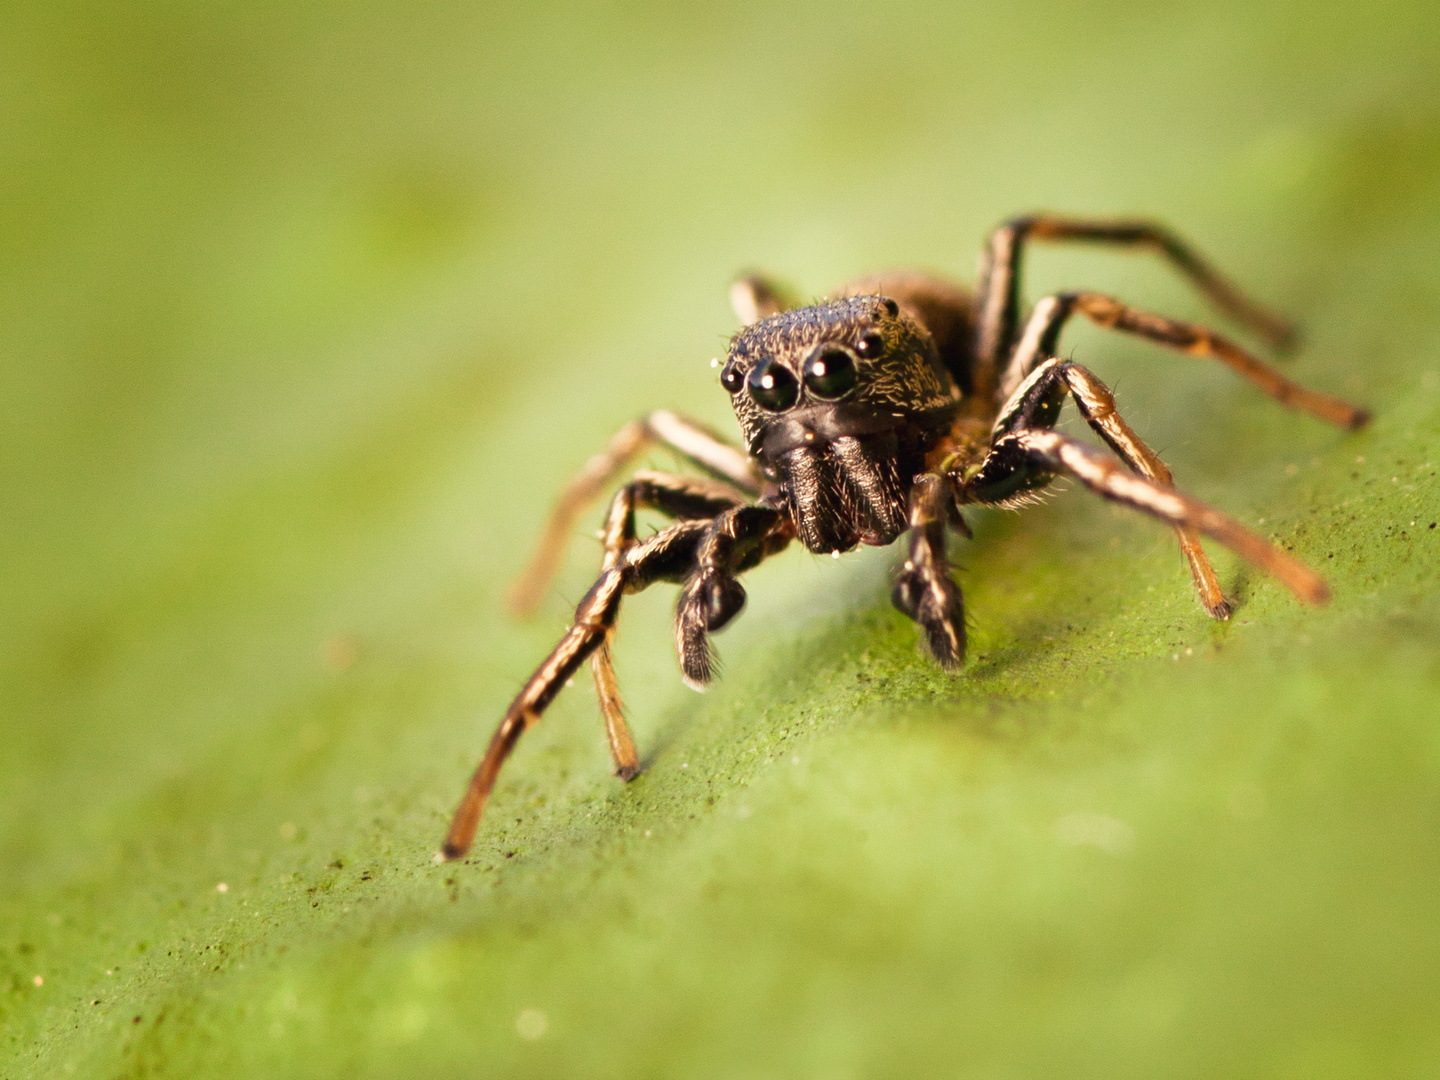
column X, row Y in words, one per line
column 853, row 326
column 859, row 356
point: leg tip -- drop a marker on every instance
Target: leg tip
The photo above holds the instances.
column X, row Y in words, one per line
column 627, row 772
column 1222, row 609
column 948, row 652
column 450, row 852
column 1358, row 419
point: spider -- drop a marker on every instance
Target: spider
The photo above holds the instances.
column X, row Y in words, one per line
column 878, row 414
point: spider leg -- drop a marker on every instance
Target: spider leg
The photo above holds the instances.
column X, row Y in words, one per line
column 998, row 296
column 1030, row 458
column 691, row 439
column 680, row 497
column 924, row 590
column 1036, row 404
column 666, row 556
column 1048, row 319
column 755, row 297
column 734, row 541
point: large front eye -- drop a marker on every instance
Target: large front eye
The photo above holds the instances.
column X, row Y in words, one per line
column 772, row 386
column 830, row 371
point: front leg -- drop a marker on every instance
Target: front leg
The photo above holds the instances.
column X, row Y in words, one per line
column 735, row 541
column 1026, row 460
column 924, row 590
column 666, row 556
column 689, row 438
column 683, row 497
column 1036, row 404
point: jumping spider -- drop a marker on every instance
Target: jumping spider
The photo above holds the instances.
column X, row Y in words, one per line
column 879, row 413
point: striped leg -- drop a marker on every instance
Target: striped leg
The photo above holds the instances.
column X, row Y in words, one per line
column 691, row 439
column 682, row 497
column 924, row 590
column 734, row 541
column 1036, row 404
column 1030, row 458
column 998, row 297
column 1042, row 333
column 666, row 556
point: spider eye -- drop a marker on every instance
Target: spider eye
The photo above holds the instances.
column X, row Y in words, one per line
column 731, row 377
column 870, row 346
column 830, row 371
column 772, row 386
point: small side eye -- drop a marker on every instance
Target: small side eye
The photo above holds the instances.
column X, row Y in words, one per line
column 870, row 346
column 830, row 372
column 772, row 386
column 891, row 306
column 732, row 377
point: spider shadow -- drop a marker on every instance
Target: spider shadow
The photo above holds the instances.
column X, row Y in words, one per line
column 863, row 657
column 1241, row 586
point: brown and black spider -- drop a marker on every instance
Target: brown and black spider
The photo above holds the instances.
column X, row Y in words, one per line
column 878, row 413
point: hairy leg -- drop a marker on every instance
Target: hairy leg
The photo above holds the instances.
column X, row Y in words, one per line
column 736, row 540
column 755, row 297
column 998, row 296
column 681, row 497
column 1042, row 333
column 1029, row 459
column 667, row 555
column 1036, row 404
column 924, row 589
column 691, row 439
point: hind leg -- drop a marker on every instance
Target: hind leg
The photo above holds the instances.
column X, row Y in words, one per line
column 1041, row 340
column 998, row 304
column 680, row 497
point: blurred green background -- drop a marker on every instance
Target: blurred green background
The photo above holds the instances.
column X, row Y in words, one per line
column 306, row 309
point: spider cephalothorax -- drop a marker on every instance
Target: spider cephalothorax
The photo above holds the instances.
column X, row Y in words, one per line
column 839, row 402
column 879, row 414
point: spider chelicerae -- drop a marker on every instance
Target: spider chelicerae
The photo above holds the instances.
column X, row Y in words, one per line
column 878, row 414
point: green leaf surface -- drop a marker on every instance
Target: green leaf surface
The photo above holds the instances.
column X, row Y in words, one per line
column 305, row 311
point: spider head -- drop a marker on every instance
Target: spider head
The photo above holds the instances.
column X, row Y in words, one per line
column 829, row 394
